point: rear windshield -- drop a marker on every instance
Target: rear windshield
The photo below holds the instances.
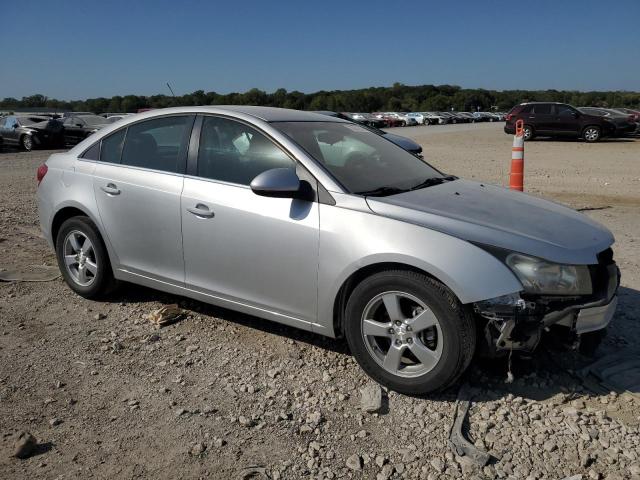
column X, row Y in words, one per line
column 359, row 159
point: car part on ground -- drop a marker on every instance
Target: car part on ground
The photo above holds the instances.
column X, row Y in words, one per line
column 457, row 440
column 341, row 217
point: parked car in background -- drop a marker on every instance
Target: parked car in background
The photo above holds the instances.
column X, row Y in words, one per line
column 31, row 131
column 403, row 142
column 71, row 114
column 434, row 118
column 415, row 268
column 624, row 122
column 115, row 118
column 418, row 117
column 366, row 119
column 558, row 120
column 80, row 126
column 389, row 120
column 467, row 117
column 628, row 111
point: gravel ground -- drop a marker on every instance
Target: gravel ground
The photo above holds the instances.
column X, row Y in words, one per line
column 107, row 395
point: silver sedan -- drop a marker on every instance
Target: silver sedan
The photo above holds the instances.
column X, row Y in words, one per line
column 317, row 223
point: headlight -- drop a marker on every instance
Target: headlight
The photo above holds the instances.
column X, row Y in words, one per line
column 540, row 276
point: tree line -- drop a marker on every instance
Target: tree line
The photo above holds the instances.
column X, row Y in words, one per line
column 398, row 97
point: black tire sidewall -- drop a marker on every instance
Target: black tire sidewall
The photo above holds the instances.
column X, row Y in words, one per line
column 530, row 128
column 104, row 277
column 446, row 370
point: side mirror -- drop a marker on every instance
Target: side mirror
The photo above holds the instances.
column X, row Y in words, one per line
column 277, row 182
column 78, row 124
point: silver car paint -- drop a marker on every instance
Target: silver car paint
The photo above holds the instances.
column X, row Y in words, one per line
column 279, row 278
column 146, row 207
column 492, row 215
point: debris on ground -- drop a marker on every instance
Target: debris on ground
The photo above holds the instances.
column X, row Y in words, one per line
column 618, row 372
column 457, row 440
column 165, row 315
column 34, row 273
column 25, row 445
column 254, row 472
column 371, row 398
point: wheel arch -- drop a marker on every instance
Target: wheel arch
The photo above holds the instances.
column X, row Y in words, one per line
column 71, row 210
column 353, row 280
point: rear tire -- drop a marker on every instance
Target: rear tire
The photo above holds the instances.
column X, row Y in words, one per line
column 426, row 347
column 529, row 132
column 84, row 266
column 591, row 134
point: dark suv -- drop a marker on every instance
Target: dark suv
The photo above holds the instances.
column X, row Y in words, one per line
column 558, row 119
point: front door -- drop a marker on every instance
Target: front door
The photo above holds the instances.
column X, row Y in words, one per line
column 243, row 248
column 565, row 120
column 137, row 185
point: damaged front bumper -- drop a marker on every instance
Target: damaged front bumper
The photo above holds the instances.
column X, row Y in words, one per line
column 516, row 321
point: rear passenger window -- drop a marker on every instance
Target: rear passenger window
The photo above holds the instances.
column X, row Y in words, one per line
column 158, row 144
column 542, row 109
column 112, row 147
column 233, row 152
column 93, row 153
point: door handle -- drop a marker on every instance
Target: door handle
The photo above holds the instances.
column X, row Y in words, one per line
column 110, row 189
column 201, row 210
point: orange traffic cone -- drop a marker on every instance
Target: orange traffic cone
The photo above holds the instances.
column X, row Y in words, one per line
column 516, row 178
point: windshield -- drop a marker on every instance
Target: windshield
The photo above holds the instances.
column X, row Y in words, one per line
column 359, row 159
column 93, row 119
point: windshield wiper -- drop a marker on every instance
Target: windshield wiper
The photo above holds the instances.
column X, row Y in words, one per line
column 429, row 182
column 382, row 191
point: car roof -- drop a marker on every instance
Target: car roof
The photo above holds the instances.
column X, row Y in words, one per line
column 270, row 114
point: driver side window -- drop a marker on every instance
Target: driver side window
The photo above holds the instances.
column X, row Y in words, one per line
column 233, row 152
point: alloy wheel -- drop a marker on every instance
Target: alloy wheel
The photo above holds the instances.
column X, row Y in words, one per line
column 527, row 133
column 80, row 258
column 591, row 134
column 402, row 334
column 27, row 142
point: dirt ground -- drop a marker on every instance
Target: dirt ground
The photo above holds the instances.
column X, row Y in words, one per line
column 109, row 396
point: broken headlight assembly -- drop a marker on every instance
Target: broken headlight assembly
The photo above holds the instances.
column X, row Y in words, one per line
column 545, row 278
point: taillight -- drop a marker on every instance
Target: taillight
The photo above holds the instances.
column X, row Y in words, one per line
column 42, row 171
column 508, row 117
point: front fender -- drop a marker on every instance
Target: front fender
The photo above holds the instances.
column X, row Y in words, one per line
column 351, row 240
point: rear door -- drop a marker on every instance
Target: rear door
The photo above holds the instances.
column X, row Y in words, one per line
column 542, row 118
column 73, row 130
column 243, row 248
column 137, row 185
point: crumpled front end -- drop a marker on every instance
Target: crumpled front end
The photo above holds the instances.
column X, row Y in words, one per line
column 517, row 321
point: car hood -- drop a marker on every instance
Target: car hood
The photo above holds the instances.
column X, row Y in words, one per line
column 403, row 142
column 492, row 215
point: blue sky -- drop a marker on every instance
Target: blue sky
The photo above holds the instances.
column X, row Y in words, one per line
column 78, row 49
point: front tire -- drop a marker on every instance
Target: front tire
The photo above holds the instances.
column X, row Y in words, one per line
column 409, row 332
column 26, row 142
column 83, row 259
column 591, row 134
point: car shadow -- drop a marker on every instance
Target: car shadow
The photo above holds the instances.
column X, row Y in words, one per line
column 551, row 370
column 578, row 140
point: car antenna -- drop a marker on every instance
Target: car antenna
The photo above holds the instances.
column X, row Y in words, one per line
column 171, row 90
